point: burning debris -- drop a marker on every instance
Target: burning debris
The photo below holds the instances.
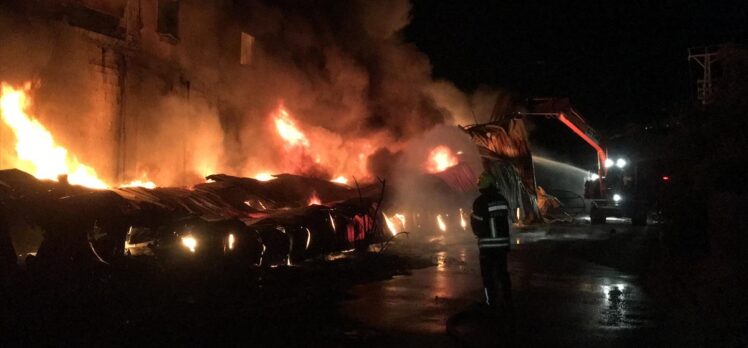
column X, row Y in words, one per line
column 441, row 158
column 264, row 223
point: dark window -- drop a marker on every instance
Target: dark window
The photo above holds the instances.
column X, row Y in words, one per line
column 168, row 18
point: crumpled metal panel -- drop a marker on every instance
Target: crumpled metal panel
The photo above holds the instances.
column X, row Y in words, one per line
column 505, row 153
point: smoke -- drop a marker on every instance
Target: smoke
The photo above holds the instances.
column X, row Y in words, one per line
column 176, row 111
column 410, row 188
column 183, row 145
column 343, row 72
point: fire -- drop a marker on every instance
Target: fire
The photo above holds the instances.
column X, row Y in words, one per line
column 390, row 224
column 440, row 223
column 314, row 199
column 264, row 176
column 36, row 149
column 340, row 180
column 440, row 159
column 401, row 217
column 393, row 222
column 307, row 149
column 141, row 183
column 287, row 129
column 463, row 223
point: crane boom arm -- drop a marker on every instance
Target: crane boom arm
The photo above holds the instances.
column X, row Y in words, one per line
column 561, row 109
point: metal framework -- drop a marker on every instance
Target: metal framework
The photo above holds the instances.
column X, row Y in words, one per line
column 705, row 57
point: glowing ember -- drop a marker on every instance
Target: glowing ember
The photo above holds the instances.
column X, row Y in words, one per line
column 287, row 128
column 440, row 159
column 440, row 223
column 314, row 199
column 36, row 149
column 463, row 223
column 340, row 180
column 264, row 177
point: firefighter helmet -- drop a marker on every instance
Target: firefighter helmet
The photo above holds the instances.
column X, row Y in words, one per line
column 486, row 181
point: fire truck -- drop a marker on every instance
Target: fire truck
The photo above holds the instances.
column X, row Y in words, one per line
column 618, row 187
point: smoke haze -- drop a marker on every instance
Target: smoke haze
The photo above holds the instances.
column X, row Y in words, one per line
column 340, row 68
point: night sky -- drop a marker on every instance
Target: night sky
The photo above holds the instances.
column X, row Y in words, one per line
column 619, row 61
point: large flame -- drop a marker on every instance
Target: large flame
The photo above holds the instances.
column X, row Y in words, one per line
column 36, row 149
column 440, row 159
column 287, row 129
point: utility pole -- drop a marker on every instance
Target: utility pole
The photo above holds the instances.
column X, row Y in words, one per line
column 705, row 57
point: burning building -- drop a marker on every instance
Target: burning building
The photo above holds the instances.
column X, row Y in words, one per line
column 169, row 91
column 122, row 93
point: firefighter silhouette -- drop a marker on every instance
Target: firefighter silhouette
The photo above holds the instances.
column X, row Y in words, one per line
column 490, row 223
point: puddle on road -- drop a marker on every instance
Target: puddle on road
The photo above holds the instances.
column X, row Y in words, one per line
column 623, row 307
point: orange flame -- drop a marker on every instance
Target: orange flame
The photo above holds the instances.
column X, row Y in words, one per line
column 287, row 129
column 440, row 159
column 36, row 149
column 314, row 200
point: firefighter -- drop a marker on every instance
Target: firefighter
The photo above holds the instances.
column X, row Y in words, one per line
column 490, row 223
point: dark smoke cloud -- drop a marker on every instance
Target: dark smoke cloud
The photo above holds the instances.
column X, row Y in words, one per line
column 343, row 65
column 341, row 68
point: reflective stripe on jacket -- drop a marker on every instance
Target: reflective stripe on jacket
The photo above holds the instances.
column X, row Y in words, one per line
column 490, row 220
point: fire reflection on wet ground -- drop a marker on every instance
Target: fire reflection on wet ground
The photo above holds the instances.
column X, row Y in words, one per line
column 558, row 297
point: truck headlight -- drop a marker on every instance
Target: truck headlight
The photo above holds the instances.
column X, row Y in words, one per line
column 620, row 163
column 190, row 243
column 617, row 197
column 609, row 163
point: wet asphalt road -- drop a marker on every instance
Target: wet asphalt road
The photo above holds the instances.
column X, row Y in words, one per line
column 573, row 285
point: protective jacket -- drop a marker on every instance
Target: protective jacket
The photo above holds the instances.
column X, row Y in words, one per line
column 490, row 221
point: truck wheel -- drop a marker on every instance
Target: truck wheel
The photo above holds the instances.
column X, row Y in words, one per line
column 596, row 217
column 639, row 220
